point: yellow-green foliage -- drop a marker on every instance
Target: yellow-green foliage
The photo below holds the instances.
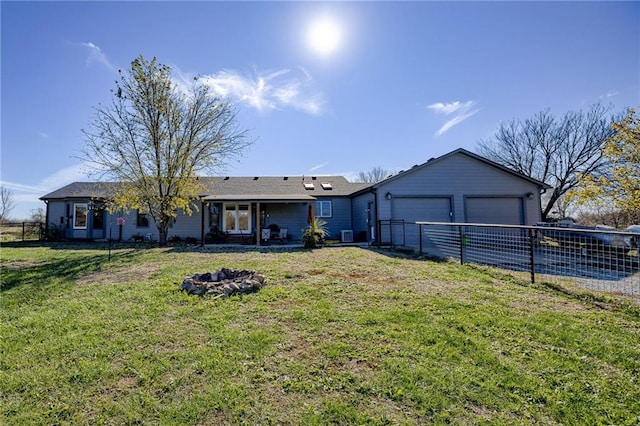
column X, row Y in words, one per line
column 156, row 138
column 619, row 186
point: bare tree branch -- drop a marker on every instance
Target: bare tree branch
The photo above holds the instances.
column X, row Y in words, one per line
column 374, row 175
column 554, row 151
column 6, row 203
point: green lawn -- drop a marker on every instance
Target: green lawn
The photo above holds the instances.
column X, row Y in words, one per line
column 338, row 335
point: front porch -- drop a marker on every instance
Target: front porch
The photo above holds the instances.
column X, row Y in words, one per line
column 256, row 220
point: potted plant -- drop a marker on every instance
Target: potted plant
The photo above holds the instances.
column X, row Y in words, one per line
column 314, row 235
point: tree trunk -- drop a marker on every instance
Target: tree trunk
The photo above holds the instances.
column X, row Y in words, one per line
column 163, row 231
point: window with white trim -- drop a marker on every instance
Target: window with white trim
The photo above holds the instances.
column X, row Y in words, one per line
column 323, row 209
column 237, row 218
column 80, row 215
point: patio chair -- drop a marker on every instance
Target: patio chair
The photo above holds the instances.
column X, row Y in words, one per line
column 265, row 235
column 283, row 235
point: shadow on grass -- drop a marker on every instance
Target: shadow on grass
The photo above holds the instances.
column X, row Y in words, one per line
column 404, row 253
column 43, row 276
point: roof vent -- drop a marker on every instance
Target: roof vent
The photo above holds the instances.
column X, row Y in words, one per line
column 255, row 178
column 308, row 186
column 285, row 178
column 226, row 178
column 313, row 178
column 326, row 185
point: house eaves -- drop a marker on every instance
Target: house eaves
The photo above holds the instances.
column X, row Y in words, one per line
column 263, row 198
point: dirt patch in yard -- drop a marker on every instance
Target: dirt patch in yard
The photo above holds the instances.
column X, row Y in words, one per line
column 121, row 276
column 22, row 264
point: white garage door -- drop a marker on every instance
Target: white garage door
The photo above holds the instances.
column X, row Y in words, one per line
column 418, row 209
column 496, row 210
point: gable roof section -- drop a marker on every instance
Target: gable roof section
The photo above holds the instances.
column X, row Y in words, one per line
column 98, row 190
column 461, row 151
column 259, row 188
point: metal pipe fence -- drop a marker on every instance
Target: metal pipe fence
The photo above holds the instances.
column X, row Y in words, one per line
column 21, row 231
column 599, row 260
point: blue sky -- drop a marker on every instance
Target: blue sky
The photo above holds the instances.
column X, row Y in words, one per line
column 401, row 82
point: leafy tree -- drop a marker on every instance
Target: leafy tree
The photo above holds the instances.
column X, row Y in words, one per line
column 6, row 203
column 155, row 138
column 551, row 150
column 618, row 184
column 374, row 175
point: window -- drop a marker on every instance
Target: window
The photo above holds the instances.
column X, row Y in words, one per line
column 142, row 220
column 323, row 209
column 237, row 218
column 80, row 216
column 98, row 219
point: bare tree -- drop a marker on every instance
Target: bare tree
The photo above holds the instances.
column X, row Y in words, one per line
column 554, row 151
column 374, row 175
column 38, row 215
column 155, row 139
column 6, row 203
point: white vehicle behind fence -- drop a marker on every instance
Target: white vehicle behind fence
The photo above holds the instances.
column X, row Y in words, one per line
column 590, row 239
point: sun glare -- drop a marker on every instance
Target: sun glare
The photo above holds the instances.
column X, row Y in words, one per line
column 324, row 36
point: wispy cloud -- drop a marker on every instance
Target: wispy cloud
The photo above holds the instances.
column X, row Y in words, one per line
column 97, row 55
column 460, row 110
column 27, row 196
column 610, row 94
column 49, row 183
column 318, row 167
column 263, row 90
column 267, row 91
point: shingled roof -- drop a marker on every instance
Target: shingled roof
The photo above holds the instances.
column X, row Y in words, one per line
column 272, row 188
column 257, row 188
column 99, row 190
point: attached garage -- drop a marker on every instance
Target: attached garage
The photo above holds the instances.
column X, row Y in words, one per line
column 458, row 187
column 495, row 210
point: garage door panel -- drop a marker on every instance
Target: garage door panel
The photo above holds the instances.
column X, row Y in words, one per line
column 423, row 209
column 419, row 209
column 494, row 210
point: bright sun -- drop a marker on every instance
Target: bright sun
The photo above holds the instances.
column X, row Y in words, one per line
column 324, row 36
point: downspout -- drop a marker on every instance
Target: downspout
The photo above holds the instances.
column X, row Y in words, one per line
column 377, row 216
column 46, row 223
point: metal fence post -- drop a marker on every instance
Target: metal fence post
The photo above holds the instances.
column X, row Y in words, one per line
column 420, row 231
column 532, row 255
column 461, row 239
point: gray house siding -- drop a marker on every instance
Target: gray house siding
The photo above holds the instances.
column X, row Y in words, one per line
column 363, row 215
column 186, row 226
column 57, row 213
column 61, row 216
column 341, row 216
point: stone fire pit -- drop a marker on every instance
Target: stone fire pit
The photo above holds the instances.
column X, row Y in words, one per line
column 224, row 283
